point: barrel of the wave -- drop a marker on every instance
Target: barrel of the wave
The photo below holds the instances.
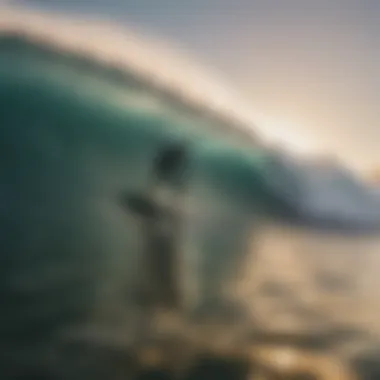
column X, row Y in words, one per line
column 75, row 138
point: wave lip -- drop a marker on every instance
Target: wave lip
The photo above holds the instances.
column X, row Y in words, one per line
column 148, row 58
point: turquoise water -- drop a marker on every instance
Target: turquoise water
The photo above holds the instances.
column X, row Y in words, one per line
column 73, row 140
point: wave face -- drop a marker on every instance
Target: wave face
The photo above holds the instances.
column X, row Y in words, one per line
column 75, row 138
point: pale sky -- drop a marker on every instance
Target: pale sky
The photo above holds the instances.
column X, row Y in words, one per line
column 311, row 66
